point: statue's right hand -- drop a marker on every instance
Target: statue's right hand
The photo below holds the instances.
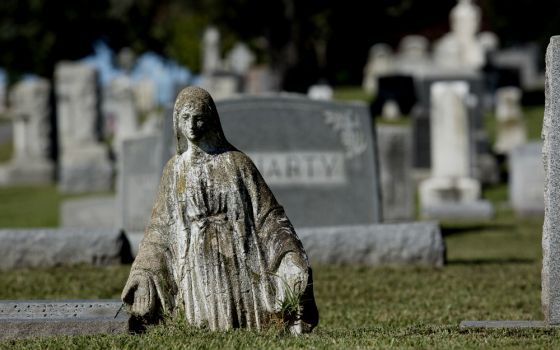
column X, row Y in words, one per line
column 139, row 294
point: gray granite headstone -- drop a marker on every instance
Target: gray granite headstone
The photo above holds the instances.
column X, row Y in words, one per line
column 140, row 169
column 84, row 165
column 526, row 179
column 551, row 155
column 89, row 212
column 30, row 112
column 41, row 318
column 395, row 165
column 318, row 157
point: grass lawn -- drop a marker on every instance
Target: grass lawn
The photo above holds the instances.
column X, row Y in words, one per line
column 493, row 272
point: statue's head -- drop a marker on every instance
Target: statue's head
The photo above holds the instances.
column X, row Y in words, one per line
column 196, row 120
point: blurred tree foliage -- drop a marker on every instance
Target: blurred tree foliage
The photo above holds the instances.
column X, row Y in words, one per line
column 306, row 40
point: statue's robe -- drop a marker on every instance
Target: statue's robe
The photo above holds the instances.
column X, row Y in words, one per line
column 214, row 244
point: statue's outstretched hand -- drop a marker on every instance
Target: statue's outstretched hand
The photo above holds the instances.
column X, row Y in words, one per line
column 139, row 295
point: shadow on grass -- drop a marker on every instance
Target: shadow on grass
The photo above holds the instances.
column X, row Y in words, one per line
column 447, row 231
column 499, row 261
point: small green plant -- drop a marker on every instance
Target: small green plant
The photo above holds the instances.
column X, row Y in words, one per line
column 290, row 304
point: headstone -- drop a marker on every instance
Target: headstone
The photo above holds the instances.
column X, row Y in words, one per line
column 413, row 56
column 211, row 59
column 482, row 165
column 489, row 41
column 240, row 59
column 551, row 156
column 140, row 168
column 320, row 92
column 417, row 243
column 84, row 163
column 318, row 157
column 53, row 247
column 221, row 85
column 395, row 165
column 30, row 112
column 523, row 59
column 89, row 212
column 380, row 62
column 510, row 127
column 391, row 111
column 3, row 94
column 144, row 95
column 526, row 179
column 460, row 49
column 451, row 184
column 126, row 59
column 262, row 79
column 119, row 107
column 47, row 318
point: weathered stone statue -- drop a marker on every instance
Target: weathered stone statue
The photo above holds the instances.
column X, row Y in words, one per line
column 219, row 248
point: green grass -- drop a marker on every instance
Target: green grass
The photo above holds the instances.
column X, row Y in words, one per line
column 493, row 272
column 351, row 93
column 29, row 206
column 33, row 206
column 6, row 150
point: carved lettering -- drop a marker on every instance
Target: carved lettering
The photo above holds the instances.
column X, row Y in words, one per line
column 301, row 168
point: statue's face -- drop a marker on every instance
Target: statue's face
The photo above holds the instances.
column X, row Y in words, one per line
column 193, row 122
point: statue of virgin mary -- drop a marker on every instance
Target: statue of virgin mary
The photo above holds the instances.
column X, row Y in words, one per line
column 219, row 248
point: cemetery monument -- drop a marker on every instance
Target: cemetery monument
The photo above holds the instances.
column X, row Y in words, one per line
column 30, row 112
column 84, row 163
column 218, row 246
column 451, row 191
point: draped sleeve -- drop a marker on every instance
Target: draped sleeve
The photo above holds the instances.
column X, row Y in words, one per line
column 154, row 258
column 278, row 239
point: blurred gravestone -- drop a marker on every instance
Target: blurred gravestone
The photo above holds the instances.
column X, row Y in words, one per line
column 30, row 112
column 451, row 191
column 318, row 157
column 211, row 60
column 262, row 79
column 380, row 63
column 526, row 179
column 395, row 165
column 221, row 84
column 523, row 59
column 140, row 169
column 3, row 89
column 240, row 59
column 413, row 55
column 483, row 166
column 84, row 162
column 119, row 107
column 144, row 95
column 510, row 127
